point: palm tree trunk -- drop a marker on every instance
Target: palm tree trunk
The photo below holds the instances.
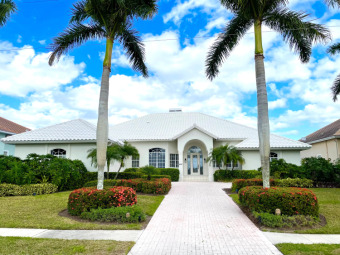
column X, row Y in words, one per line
column 103, row 122
column 120, row 167
column 262, row 106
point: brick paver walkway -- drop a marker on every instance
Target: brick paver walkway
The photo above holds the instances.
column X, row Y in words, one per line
column 199, row 218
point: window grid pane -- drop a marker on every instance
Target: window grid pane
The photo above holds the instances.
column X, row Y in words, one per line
column 135, row 161
column 157, row 157
column 174, row 160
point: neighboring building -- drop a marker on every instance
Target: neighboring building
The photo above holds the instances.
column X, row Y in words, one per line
column 174, row 139
column 8, row 128
column 325, row 142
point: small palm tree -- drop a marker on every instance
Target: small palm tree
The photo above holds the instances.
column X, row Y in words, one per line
column 124, row 151
column 299, row 34
column 334, row 49
column 225, row 154
column 7, row 7
column 111, row 155
column 236, row 156
column 110, row 20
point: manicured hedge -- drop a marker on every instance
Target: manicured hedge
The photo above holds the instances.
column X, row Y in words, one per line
column 291, row 201
column 93, row 176
column 85, row 199
column 225, row 175
column 26, row 190
column 130, row 214
column 173, row 172
column 241, row 183
column 157, row 186
column 297, row 182
column 154, row 177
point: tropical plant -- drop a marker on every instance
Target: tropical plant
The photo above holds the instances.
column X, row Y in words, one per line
column 7, row 7
column 124, row 151
column 298, row 33
column 110, row 20
column 225, row 154
column 334, row 49
column 111, row 155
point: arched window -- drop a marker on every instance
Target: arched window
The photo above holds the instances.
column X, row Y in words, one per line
column 59, row 153
column 273, row 156
column 157, row 157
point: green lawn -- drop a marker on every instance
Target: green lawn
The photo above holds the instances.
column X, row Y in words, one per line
column 42, row 212
column 329, row 201
column 309, row 249
column 37, row 246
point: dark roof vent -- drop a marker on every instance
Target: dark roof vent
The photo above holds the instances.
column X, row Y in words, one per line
column 175, row 110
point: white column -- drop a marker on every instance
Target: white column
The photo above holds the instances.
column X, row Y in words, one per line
column 180, row 166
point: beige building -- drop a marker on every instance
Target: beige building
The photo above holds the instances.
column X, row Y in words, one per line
column 325, row 142
column 175, row 139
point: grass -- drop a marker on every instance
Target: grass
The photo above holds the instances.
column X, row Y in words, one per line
column 329, row 202
column 42, row 212
column 37, row 246
column 309, row 249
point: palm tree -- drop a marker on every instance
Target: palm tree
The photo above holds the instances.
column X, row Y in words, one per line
column 111, row 155
column 124, row 151
column 225, row 154
column 236, row 156
column 110, row 20
column 7, row 7
column 299, row 34
column 334, row 49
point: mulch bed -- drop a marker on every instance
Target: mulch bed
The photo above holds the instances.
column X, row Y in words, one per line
column 249, row 214
column 64, row 213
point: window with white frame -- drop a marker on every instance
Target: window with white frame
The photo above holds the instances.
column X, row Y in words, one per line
column 135, row 161
column 6, row 153
column 157, row 157
column 273, row 156
column 214, row 163
column 174, row 160
column 59, row 153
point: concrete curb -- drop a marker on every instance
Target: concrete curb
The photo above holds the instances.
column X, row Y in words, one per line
column 276, row 238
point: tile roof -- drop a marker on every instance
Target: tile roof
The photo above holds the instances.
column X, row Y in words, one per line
column 156, row 127
column 328, row 131
column 74, row 130
column 10, row 127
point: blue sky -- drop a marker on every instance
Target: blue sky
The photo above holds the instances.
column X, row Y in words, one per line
column 176, row 42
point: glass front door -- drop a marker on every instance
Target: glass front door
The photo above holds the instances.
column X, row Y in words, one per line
column 195, row 163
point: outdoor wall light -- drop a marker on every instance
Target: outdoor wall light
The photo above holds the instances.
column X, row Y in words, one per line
column 205, row 160
column 185, row 160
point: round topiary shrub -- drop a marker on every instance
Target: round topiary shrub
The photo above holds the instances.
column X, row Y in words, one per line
column 85, row 199
column 291, row 201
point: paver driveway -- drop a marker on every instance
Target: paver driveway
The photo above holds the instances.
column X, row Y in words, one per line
column 199, row 218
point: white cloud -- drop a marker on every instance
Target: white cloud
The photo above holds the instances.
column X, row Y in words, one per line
column 42, row 42
column 25, row 71
column 19, row 40
column 279, row 103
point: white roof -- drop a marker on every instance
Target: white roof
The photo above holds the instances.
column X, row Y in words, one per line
column 155, row 127
column 74, row 130
column 170, row 126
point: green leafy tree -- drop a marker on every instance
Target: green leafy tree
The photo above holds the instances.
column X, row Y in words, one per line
column 7, row 7
column 109, row 20
column 298, row 33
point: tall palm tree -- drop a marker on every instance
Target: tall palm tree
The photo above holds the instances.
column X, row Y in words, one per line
column 298, row 33
column 334, row 49
column 7, row 7
column 110, row 20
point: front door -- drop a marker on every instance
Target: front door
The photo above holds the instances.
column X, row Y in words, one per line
column 195, row 163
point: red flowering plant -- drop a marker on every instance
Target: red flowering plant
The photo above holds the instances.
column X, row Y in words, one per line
column 291, row 201
column 157, row 186
column 82, row 200
column 241, row 183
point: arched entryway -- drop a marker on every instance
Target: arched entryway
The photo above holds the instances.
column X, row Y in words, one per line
column 195, row 161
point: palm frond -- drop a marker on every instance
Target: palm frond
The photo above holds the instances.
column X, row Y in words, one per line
column 134, row 49
column 300, row 35
column 79, row 13
column 144, row 9
column 7, row 7
column 333, row 3
column 334, row 49
column 225, row 43
column 336, row 88
column 75, row 35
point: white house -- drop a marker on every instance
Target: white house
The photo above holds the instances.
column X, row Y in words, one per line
column 175, row 139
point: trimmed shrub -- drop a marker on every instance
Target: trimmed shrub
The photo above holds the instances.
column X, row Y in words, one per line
column 291, row 201
column 281, row 169
column 241, row 183
column 131, row 170
column 226, row 175
column 319, row 170
column 107, row 183
column 284, row 221
column 297, row 182
column 85, row 199
column 154, row 177
column 157, row 186
column 93, row 176
column 26, row 190
column 130, row 214
column 173, row 172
